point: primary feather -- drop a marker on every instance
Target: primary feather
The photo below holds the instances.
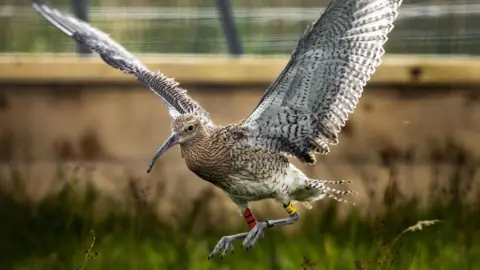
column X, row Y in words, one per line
column 174, row 97
column 304, row 109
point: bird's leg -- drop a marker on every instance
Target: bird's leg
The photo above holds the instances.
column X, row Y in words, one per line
column 257, row 231
column 225, row 242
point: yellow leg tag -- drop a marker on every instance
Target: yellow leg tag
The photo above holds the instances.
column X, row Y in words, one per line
column 290, row 208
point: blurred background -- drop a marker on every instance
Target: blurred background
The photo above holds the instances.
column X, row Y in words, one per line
column 76, row 137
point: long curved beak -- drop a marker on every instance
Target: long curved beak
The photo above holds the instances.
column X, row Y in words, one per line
column 169, row 143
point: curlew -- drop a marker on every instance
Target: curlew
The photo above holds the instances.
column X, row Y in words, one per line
column 300, row 115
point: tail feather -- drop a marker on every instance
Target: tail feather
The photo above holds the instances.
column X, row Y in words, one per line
column 336, row 182
column 318, row 189
column 339, row 199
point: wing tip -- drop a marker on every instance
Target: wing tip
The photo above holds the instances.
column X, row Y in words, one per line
column 52, row 15
column 39, row 3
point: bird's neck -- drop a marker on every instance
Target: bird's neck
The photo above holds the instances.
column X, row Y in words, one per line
column 196, row 144
column 196, row 153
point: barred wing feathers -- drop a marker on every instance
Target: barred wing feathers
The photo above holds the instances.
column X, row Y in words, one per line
column 174, row 97
column 304, row 109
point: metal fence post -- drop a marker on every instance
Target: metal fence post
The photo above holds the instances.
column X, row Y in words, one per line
column 228, row 24
column 80, row 10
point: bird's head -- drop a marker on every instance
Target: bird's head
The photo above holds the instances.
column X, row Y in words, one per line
column 185, row 129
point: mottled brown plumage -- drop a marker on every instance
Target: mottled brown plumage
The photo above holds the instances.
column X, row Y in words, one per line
column 218, row 154
column 300, row 115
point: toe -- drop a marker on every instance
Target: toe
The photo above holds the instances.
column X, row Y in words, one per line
column 255, row 238
column 251, row 233
column 220, row 245
column 225, row 244
column 226, row 247
column 212, row 254
column 223, row 252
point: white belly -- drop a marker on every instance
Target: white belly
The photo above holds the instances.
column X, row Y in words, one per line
column 245, row 186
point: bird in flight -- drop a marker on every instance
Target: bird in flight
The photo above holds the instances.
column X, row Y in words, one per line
column 300, row 114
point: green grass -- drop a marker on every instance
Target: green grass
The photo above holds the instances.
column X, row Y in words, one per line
column 57, row 233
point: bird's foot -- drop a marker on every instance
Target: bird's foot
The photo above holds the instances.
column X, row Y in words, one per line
column 254, row 234
column 226, row 244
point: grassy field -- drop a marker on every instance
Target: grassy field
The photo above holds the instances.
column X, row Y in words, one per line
column 65, row 231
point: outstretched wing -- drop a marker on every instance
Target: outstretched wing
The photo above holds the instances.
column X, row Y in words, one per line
column 305, row 108
column 174, row 97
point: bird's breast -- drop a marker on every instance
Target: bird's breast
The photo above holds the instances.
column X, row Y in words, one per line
column 209, row 166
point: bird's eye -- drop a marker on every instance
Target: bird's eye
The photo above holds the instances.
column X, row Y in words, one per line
column 190, row 128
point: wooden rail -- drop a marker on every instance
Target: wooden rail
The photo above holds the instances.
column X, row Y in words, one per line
column 217, row 69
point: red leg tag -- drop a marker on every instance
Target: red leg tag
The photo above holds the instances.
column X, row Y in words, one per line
column 249, row 218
